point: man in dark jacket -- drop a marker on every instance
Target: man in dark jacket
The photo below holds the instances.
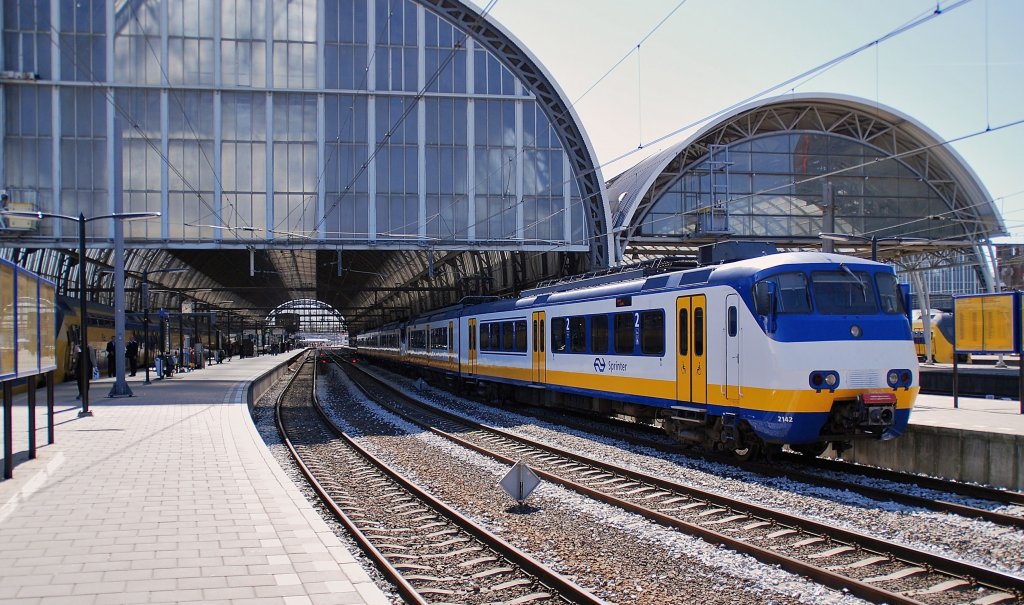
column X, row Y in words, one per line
column 131, row 351
column 111, row 359
column 78, row 370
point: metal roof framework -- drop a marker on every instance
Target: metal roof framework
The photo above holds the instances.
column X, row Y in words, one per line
column 633, row 193
column 367, row 281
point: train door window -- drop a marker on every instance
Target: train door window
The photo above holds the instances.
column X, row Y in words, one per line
column 625, row 324
column 451, row 336
column 684, row 331
column 472, row 340
column 698, row 331
column 541, row 335
column 520, row 331
column 558, row 325
column 599, row 334
column 733, row 321
column 652, row 333
column 578, row 334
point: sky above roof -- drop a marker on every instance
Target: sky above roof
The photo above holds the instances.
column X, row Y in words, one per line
column 679, row 63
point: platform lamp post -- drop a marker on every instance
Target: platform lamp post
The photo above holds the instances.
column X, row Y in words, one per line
column 81, row 219
column 145, row 311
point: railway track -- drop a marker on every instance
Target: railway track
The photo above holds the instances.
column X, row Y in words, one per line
column 797, row 467
column 431, row 553
column 867, row 567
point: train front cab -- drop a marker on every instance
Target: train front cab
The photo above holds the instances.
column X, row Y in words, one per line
column 846, row 346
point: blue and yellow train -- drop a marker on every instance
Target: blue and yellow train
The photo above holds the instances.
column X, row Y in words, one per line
column 801, row 349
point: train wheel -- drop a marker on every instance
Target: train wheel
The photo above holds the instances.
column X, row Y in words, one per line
column 747, row 452
column 812, row 450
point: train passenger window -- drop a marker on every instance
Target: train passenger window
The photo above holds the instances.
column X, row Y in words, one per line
column 599, row 334
column 652, row 333
column 698, row 331
column 485, row 337
column 844, row 292
column 684, row 331
column 624, row 333
column 890, row 294
column 733, row 321
column 520, row 331
column 507, row 338
column 578, row 334
column 558, row 326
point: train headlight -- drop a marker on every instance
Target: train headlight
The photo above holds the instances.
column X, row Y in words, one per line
column 893, row 378
column 899, row 378
column 856, row 331
column 823, row 379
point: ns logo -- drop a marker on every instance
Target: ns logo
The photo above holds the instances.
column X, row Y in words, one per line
column 599, row 365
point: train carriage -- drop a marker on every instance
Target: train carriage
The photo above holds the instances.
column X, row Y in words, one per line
column 801, row 349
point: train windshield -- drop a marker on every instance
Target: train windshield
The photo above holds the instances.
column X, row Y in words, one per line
column 844, row 292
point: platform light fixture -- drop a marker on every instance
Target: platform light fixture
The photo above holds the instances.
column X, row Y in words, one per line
column 873, row 240
column 81, row 219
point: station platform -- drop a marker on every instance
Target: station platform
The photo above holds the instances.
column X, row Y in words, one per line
column 167, row 496
column 981, row 441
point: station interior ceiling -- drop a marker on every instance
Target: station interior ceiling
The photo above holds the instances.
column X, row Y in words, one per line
column 365, row 287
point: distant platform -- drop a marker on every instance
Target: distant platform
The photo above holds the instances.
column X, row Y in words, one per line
column 981, row 440
column 977, row 379
column 167, row 496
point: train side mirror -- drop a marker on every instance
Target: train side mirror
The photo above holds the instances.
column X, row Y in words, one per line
column 764, row 303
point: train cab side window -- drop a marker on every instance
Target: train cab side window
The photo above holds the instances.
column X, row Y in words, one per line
column 792, row 293
column 684, row 331
column 599, row 334
column 733, row 321
column 698, row 331
column 558, row 334
column 624, row 333
column 889, row 294
column 578, row 334
column 652, row 333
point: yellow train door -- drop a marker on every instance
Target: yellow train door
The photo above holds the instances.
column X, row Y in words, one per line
column 539, row 359
column 471, row 357
column 691, row 354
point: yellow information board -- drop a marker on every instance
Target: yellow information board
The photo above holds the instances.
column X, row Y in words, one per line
column 28, row 323
column 985, row 323
column 47, row 327
column 6, row 320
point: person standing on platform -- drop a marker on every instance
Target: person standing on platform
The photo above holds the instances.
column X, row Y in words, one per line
column 131, row 352
column 79, row 360
column 111, row 360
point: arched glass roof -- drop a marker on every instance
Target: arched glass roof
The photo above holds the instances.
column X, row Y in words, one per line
column 308, row 316
column 767, row 170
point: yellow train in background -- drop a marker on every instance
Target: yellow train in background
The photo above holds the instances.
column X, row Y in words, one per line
column 943, row 333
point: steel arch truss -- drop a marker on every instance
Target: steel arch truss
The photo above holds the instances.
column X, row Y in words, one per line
column 893, row 136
